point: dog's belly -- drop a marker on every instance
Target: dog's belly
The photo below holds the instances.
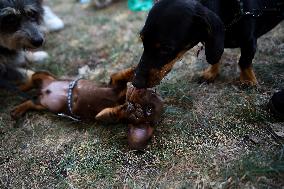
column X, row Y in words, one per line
column 54, row 96
column 89, row 99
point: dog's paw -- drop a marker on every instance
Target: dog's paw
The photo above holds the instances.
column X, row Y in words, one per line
column 249, row 82
column 210, row 74
column 17, row 113
column 247, row 77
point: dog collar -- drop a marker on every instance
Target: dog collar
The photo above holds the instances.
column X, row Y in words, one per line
column 71, row 86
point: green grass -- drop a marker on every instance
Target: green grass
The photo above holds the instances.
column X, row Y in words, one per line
column 259, row 168
column 211, row 135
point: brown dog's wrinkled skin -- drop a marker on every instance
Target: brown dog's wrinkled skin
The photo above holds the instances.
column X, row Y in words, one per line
column 144, row 105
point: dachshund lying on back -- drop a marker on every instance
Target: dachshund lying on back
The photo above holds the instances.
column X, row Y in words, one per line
column 175, row 26
column 85, row 100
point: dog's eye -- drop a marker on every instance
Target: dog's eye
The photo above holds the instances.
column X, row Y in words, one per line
column 32, row 15
column 11, row 21
column 165, row 50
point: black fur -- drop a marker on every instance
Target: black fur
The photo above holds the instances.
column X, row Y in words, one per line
column 178, row 25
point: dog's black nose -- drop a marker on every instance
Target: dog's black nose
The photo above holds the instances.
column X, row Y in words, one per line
column 37, row 42
column 139, row 83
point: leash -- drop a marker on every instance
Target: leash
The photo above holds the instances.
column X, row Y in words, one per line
column 14, row 89
column 255, row 13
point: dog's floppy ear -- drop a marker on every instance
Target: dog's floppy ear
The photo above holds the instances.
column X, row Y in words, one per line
column 214, row 30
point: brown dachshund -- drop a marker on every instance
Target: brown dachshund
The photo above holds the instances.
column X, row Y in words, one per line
column 85, row 100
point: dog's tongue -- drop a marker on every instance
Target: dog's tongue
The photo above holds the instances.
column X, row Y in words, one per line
column 139, row 135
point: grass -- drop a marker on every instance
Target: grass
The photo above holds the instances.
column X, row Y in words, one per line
column 211, row 135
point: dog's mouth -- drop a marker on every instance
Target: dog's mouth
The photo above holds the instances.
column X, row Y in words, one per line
column 33, row 44
column 30, row 48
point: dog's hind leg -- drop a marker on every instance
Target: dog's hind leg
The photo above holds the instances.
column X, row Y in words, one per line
column 36, row 79
column 119, row 80
column 27, row 83
column 113, row 115
column 21, row 109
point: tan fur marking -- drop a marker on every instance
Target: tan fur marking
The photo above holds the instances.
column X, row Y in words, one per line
column 156, row 75
column 212, row 72
column 124, row 75
column 248, row 77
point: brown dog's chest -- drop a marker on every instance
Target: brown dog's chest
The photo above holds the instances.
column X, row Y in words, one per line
column 54, row 96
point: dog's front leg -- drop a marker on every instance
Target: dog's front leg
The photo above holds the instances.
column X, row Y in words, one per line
column 211, row 72
column 247, row 75
column 122, row 77
column 113, row 115
column 21, row 109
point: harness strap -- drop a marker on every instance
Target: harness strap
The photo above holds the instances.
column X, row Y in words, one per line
column 256, row 12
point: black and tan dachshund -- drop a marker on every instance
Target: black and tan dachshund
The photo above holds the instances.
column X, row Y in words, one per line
column 175, row 26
